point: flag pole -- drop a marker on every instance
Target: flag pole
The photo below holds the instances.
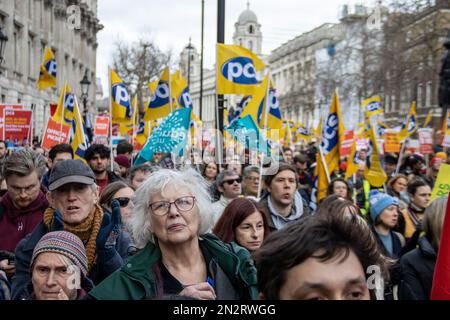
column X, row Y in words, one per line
column 218, row 150
column 62, row 109
column 266, row 115
column 400, row 157
column 134, row 121
column 110, row 120
column 170, row 91
column 324, row 163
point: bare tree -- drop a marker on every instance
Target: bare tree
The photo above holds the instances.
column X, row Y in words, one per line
column 139, row 63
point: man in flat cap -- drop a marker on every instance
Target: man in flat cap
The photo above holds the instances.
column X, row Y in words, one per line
column 73, row 198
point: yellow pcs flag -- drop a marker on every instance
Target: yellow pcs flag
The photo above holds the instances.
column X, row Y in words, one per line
column 120, row 99
column 127, row 127
column 159, row 105
column 411, row 125
column 372, row 106
column 332, row 133
column 48, row 71
column 427, row 122
column 78, row 139
column 322, row 179
column 65, row 106
column 374, row 172
column 352, row 164
column 236, row 70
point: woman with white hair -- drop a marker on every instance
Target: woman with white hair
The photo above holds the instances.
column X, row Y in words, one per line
column 172, row 215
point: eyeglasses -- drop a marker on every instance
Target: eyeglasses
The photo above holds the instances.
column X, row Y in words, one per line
column 183, row 204
column 252, row 179
column 28, row 190
column 230, row 182
column 124, row 202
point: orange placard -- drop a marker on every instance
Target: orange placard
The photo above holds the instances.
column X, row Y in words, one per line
column 347, row 142
column 54, row 134
column 391, row 142
column 101, row 126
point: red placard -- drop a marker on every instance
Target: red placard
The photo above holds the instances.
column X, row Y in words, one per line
column 346, row 146
column 2, row 116
column 101, row 126
column 17, row 127
column 54, row 134
column 426, row 141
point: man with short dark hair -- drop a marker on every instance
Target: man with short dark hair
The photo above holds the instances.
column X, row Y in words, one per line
column 98, row 157
column 126, row 149
column 283, row 204
column 22, row 207
column 390, row 164
column 58, row 153
column 323, row 257
column 73, row 197
column 287, row 155
column 250, row 183
column 229, row 185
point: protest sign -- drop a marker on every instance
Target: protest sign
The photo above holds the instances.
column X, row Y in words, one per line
column 2, row 116
column 346, row 146
column 101, row 126
column 442, row 184
column 391, row 142
column 54, row 135
column 17, row 127
column 425, row 141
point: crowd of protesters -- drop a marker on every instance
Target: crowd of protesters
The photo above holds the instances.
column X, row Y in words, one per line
column 206, row 231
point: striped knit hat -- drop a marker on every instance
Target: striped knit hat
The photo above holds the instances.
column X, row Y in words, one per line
column 66, row 244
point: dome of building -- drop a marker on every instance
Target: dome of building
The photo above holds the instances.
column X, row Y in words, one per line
column 247, row 16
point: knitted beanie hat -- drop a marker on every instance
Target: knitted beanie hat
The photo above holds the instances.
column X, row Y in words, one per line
column 66, row 244
column 378, row 202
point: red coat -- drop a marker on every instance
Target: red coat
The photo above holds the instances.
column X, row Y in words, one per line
column 15, row 223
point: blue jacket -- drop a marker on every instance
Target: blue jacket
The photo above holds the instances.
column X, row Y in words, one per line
column 103, row 267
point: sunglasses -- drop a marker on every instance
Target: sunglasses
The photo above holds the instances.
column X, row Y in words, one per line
column 123, row 201
column 230, row 182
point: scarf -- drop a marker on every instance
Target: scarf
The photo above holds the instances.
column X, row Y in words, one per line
column 413, row 211
column 87, row 231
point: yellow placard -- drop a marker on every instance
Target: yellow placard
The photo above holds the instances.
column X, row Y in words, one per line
column 391, row 142
column 442, row 185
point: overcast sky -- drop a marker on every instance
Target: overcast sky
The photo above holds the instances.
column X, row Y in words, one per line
column 170, row 23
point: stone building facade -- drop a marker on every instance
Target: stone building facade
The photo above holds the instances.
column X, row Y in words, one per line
column 30, row 26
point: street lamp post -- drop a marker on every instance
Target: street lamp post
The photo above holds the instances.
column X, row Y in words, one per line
column 189, row 47
column 85, row 84
column 3, row 40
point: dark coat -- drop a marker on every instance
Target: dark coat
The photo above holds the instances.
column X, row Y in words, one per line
column 102, row 268
column 417, row 269
column 234, row 275
column 15, row 223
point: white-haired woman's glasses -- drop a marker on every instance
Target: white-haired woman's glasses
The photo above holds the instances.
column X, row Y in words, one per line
column 161, row 208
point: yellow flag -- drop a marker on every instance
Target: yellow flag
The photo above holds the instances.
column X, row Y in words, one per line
column 79, row 141
column 411, row 124
column 65, row 106
column 427, row 123
column 322, row 178
column 236, row 70
column 48, row 71
column 374, row 172
column 120, row 100
column 160, row 102
column 333, row 131
column 126, row 127
column 372, row 106
column 352, row 163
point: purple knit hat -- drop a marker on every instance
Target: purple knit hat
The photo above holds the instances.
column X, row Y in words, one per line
column 66, row 244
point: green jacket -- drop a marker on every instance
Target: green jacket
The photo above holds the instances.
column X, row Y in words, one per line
column 139, row 277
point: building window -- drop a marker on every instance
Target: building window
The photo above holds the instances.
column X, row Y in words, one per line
column 393, row 104
column 250, row 29
column 428, row 94
column 250, row 45
column 419, row 96
column 387, row 105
